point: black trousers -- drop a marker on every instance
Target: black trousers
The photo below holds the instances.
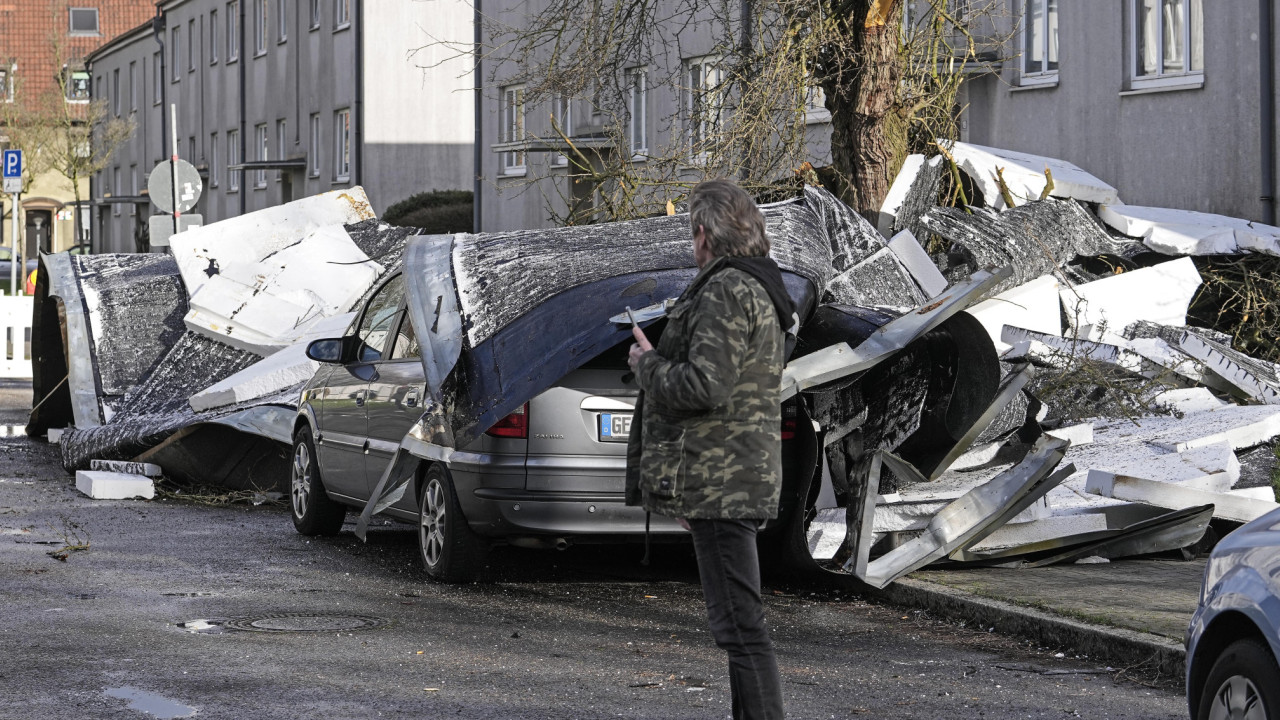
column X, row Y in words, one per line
column 730, row 572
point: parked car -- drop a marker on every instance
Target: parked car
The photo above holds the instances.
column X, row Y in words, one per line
column 1234, row 637
column 6, row 262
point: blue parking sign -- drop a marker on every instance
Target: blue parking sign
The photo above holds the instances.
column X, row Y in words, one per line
column 12, row 163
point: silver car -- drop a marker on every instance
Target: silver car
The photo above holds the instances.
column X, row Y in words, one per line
column 547, row 475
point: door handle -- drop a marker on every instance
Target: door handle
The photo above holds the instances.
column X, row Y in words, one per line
column 411, row 398
column 360, row 397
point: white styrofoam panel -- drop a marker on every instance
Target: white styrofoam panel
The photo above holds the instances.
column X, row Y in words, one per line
column 1024, row 175
column 918, row 263
column 1187, row 232
column 101, row 485
column 1034, row 306
column 1160, row 293
column 898, row 192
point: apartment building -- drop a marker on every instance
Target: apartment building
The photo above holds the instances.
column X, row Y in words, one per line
column 281, row 99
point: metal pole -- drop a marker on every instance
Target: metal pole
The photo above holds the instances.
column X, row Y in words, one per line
column 173, row 163
column 13, row 258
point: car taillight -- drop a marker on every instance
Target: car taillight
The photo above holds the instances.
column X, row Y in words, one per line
column 515, row 425
column 788, row 429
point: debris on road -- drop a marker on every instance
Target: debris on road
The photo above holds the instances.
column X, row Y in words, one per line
column 103, row 485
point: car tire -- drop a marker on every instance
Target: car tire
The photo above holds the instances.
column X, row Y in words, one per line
column 451, row 552
column 314, row 512
column 1244, row 683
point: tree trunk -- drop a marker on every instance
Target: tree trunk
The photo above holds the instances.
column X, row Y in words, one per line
column 868, row 130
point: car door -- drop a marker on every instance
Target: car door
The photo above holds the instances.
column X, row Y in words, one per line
column 394, row 400
column 344, row 430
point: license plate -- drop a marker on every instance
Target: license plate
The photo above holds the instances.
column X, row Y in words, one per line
column 614, row 427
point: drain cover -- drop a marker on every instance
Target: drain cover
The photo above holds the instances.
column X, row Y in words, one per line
column 307, row 622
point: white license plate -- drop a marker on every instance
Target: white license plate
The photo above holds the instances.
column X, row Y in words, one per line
column 614, row 427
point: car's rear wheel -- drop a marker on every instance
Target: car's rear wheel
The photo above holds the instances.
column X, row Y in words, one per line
column 451, row 551
column 314, row 512
column 1244, row 684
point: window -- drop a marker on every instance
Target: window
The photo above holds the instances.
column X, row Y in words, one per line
column 157, row 79
column 78, row 87
column 133, row 86
column 191, row 45
column 259, row 27
column 315, row 145
column 638, row 112
column 260, row 134
column 233, row 157
column 115, row 185
column 191, row 148
column 380, row 319
column 702, row 104
column 315, row 14
column 174, row 46
column 214, row 170
column 83, row 21
column 1039, row 42
column 1168, row 42
column 342, row 145
column 233, row 31
column 281, row 132
column 341, row 14
column 5, row 94
column 562, row 111
column 115, row 91
column 513, row 129
column 406, row 345
column 213, row 36
column 282, row 27
column 133, row 183
column 815, row 105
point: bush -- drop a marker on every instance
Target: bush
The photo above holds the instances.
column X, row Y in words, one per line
column 436, row 212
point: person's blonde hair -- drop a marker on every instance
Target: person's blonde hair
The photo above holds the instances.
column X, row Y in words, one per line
column 733, row 224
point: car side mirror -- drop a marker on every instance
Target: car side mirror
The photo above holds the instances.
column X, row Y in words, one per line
column 334, row 350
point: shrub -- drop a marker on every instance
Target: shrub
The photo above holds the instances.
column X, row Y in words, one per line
column 438, row 211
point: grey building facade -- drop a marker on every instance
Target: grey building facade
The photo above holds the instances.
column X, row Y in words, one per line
column 1156, row 97
column 282, row 99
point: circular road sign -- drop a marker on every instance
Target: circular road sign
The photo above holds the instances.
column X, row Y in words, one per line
column 160, row 187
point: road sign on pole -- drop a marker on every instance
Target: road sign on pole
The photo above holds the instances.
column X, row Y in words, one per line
column 12, row 171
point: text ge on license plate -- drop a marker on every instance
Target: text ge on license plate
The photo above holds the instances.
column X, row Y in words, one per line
column 615, row 427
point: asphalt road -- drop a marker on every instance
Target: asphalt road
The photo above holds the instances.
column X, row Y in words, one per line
column 585, row 633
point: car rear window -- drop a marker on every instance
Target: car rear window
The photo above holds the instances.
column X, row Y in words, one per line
column 615, row 358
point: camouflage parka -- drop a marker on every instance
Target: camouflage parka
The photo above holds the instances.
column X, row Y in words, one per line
column 705, row 443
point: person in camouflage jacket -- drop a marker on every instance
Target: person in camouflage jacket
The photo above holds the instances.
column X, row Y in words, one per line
column 705, row 444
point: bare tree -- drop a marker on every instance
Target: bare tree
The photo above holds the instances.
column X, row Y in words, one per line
column 889, row 84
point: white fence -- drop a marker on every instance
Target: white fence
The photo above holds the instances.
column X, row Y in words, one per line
column 15, row 336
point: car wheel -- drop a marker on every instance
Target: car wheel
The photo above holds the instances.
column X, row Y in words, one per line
column 451, row 551
column 314, row 512
column 1244, row 684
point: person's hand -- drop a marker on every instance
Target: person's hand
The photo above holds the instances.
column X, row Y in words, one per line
column 638, row 348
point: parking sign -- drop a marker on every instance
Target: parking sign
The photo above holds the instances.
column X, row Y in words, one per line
column 12, row 162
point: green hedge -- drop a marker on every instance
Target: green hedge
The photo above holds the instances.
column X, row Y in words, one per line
column 438, row 211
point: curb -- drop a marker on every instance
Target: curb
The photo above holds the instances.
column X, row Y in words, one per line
column 1117, row 646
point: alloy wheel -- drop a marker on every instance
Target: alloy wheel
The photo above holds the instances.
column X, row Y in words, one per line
column 1237, row 699
column 301, row 486
column 431, row 520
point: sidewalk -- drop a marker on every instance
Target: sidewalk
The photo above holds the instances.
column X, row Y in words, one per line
column 1127, row 612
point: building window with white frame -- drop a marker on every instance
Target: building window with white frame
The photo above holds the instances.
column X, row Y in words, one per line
column 115, row 90
column 562, row 113
column 233, row 31
column 213, row 37
column 175, row 54
column 314, row 20
column 133, row 184
column 260, row 135
column 341, row 14
column 5, row 93
column 133, row 86
column 281, row 132
column 703, row 107
column 77, row 89
column 512, row 130
column 1039, row 42
column 638, row 112
column 259, row 27
column 157, row 81
column 1167, row 41
column 282, row 22
column 214, row 169
column 314, row 150
column 342, row 145
column 192, row 37
column 115, row 186
column 233, row 158
column 815, row 105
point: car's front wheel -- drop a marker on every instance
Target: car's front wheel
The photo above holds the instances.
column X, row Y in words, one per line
column 451, row 551
column 314, row 512
column 1244, row 684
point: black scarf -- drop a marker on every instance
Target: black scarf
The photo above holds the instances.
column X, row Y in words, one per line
column 766, row 272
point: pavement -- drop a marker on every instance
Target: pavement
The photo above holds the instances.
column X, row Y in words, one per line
column 1127, row 613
